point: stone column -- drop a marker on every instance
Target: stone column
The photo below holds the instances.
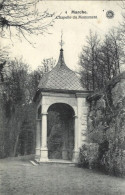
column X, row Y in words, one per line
column 43, row 149
column 76, row 150
column 38, row 127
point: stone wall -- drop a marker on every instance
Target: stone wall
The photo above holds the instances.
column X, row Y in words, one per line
column 82, row 120
column 106, row 129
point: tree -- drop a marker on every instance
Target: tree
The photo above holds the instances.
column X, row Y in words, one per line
column 47, row 64
column 17, row 109
column 25, row 17
column 89, row 62
column 35, row 76
column 111, row 48
column 122, row 24
column 3, row 59
column 22, row 19
column 100, row 61
column 121, row 30
column 14, row 99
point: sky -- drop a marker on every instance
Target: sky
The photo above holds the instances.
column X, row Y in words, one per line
column 74, row 31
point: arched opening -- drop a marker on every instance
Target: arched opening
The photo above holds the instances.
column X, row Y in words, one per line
column 60, row 132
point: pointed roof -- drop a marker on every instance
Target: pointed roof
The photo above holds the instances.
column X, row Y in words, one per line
column 60, row 78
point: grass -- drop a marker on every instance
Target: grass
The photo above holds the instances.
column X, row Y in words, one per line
column 19, row 177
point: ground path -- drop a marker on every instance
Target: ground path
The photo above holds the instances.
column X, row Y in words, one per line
column 22, row 178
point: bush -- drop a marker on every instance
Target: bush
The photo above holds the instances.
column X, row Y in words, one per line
column 88, row 156
column 83, row 157
column 110, row 160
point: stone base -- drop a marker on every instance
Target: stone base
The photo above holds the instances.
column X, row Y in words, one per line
column 75, row 156
column 43, row 155
column 43, row 160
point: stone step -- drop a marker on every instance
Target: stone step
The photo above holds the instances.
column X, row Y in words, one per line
column 33, row 162
column 56, row 161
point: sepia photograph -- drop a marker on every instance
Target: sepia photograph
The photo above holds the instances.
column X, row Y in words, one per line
column 62, row 97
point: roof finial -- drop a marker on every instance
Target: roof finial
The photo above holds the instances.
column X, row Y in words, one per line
column 61, row 42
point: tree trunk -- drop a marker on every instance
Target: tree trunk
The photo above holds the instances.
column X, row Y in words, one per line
column 15, row 146
column 17, row 139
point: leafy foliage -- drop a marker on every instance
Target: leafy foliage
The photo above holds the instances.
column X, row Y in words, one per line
column 17, row 122
column 106, row 124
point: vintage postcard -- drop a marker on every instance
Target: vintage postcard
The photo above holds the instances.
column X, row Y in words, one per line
column 62, row 97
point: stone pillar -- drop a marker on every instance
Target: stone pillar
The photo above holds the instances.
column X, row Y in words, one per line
column 76, row 150
column 84, row 122
column 38, row 127
column 44, row 149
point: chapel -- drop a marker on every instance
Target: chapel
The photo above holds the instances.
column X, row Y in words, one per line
column 60, row 94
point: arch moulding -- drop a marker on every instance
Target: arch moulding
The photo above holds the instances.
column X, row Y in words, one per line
column 49, row 99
